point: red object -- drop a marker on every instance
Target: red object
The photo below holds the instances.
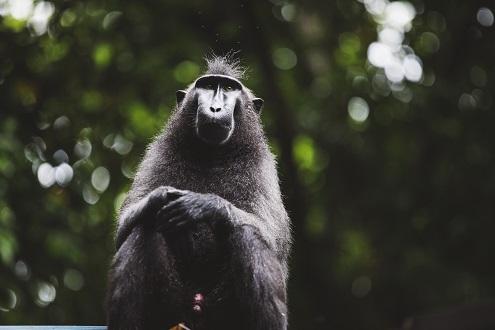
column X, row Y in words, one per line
column 198, row 299
column 197, row 302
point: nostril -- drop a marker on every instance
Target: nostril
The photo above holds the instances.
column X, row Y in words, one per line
column 212, row 109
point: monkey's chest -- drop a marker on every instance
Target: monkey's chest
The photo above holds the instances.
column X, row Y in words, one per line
column 199, row 254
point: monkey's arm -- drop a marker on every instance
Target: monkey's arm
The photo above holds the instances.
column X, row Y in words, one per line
column 190, row 207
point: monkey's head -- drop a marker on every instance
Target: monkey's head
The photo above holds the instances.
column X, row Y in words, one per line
column 216, row 101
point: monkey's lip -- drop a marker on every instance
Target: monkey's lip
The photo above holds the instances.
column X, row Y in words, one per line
column 213, row 132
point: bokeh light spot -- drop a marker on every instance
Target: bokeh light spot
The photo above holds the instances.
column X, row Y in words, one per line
column 42, row 13
column 399, row 14
column 379, row 54
column 428, row 42
column 288, row 12
column 391, row 37
column 304, row 151
column 63, row 174
column 284, row 58
column 46, row 175
column 395, row 71
column 46, row 293
column 60, row 156
column 485, row 17
column 412, row 67
column 22, row 270
column 68, row 18
column 186, row 71
column 73, row 279
column 102, row 55
column 90, row 195
column 467, row 102
column 358, row 109
column 61, row 122
column 20, row 9
column 110, row 19
column 100, row 179
column 8, row 300
column 121, row 145
column 375, row 7
column 83, row 148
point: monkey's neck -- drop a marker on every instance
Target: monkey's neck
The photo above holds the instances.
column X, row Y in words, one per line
column 206, row 157
column 191, row 150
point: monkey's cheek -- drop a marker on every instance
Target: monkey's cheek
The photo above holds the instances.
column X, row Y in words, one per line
column 213, row 133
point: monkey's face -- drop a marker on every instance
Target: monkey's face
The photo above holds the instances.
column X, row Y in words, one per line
column 217, row 98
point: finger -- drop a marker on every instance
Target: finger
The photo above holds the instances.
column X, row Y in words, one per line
column 169, row 210
column 163, row 195
column 174, row 192
column 172, row 195
column 174, row 224
column 164, row 225
column 174, row 204
column 156, row 196
column 183, row 224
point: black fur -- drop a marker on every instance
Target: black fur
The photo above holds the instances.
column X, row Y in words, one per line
column 224, row 234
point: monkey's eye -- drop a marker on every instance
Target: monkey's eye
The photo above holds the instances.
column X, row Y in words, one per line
column 228, row 88
column 209, row 86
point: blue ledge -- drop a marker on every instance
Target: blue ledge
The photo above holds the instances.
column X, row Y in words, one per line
column 51, row 327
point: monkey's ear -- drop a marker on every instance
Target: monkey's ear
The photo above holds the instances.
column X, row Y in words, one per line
column 258, row 104
column 179, row 95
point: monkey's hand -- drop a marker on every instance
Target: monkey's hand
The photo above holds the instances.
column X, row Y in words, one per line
column 189, row 208
column 143, row 211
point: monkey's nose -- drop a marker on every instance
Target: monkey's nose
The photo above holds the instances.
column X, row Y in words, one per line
column 214, row 109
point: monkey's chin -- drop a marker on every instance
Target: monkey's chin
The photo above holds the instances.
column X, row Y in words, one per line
column 213, row 134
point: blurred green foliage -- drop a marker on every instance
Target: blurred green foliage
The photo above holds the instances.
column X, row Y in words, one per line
column 388, row 174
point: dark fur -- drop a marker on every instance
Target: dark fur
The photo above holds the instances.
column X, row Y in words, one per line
column 237, row 259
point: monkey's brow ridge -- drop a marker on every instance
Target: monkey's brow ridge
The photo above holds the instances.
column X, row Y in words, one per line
column 217, row 80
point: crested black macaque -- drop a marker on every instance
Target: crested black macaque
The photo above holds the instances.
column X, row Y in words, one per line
column 203, row 237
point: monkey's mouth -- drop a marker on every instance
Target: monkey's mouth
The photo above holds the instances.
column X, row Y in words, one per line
column 214, row 132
